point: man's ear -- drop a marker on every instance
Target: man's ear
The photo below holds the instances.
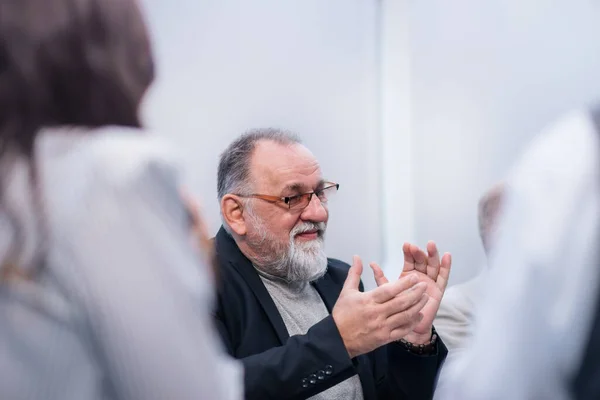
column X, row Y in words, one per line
column 233, row 214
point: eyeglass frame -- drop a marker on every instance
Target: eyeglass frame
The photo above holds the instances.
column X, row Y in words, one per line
column 287, row 199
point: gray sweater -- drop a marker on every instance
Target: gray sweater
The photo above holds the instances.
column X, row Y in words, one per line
column 300, row 307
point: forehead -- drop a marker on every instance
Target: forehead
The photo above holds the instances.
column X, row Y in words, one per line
column 275, row 166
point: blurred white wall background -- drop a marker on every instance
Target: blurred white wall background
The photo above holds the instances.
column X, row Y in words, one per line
column 486, row 76
column 477, row 81
column 307, row 65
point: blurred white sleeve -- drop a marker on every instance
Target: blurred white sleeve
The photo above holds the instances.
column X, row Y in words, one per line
column 542, row 288
column 146, row 296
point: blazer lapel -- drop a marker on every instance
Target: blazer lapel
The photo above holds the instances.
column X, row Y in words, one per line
column 228, row 251
column 329, row 291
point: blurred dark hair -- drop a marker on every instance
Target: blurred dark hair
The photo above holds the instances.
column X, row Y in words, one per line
column 81, row 63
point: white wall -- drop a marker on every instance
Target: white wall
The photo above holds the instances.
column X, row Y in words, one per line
column 485, row 77
column 305, row 65
column 397, row 140
column 464, row 86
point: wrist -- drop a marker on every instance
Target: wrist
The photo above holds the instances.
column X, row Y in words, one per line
column 427, row 348
column 352, row 351
column 418, row 338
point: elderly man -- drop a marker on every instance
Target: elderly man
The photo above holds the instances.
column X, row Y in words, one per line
column 454, row 320
column 301, row 323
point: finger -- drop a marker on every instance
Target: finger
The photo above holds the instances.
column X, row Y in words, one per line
column 194, row 211
column 353, row 279
column 190, row 205
column 433, row 260
column 201, row 223
column 402, row 323
column 404, row 300
column 389, row 290
column 420, row 258
column 444, row 275
column 409, row 261
column 380, row 278
column 199, row 227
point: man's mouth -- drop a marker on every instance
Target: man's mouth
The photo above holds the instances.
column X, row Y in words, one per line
column 308, row 235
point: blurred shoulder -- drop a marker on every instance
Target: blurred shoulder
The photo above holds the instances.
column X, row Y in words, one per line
column 113, row 167
column 552, row 187
column 113, row 155
column 566, row 151
column 123, row 154
column 558, row 171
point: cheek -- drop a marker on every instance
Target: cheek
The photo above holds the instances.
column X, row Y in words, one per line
column 282, row 225
column 285, row 226
column 278, row 223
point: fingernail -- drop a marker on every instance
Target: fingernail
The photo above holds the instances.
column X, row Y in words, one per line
column 413, row 279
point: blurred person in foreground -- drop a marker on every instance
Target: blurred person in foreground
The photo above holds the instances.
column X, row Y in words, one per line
column 300, row 322
column 454, row 320
column 102, row 296
column 538, row 334
column 199, row 235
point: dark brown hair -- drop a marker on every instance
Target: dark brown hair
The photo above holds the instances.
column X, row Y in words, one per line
column 68, row 63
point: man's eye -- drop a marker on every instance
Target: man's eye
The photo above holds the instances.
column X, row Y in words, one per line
column 294, row 200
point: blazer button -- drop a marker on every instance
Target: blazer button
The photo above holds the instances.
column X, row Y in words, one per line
column 328, row 370
column 312, row 378
column 304, row 383
column 321, row 375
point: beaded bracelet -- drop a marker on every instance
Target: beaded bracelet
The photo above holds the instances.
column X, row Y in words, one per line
column 421, row 349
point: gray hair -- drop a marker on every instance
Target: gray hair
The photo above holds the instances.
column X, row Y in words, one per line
column 233, row 175
column 234, row 166
column 490, row 206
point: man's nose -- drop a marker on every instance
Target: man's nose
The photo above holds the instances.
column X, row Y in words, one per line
column 315, row 211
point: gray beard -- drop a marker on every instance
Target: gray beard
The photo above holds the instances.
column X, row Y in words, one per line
column 296, row 262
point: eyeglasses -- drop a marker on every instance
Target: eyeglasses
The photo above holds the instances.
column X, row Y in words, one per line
column 301, row 201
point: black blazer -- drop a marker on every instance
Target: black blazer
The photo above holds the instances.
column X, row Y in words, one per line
column 278, row 366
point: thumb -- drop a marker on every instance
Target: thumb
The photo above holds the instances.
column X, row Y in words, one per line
column 354, row 273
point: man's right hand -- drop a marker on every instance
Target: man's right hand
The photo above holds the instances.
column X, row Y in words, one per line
column 372, row 319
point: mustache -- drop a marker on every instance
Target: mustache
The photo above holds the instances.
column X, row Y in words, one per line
column 309, row 227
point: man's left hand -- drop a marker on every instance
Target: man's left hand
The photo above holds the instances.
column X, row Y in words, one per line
column 428, row 268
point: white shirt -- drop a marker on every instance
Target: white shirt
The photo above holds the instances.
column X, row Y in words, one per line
column 534, row 321
column 454, row 320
